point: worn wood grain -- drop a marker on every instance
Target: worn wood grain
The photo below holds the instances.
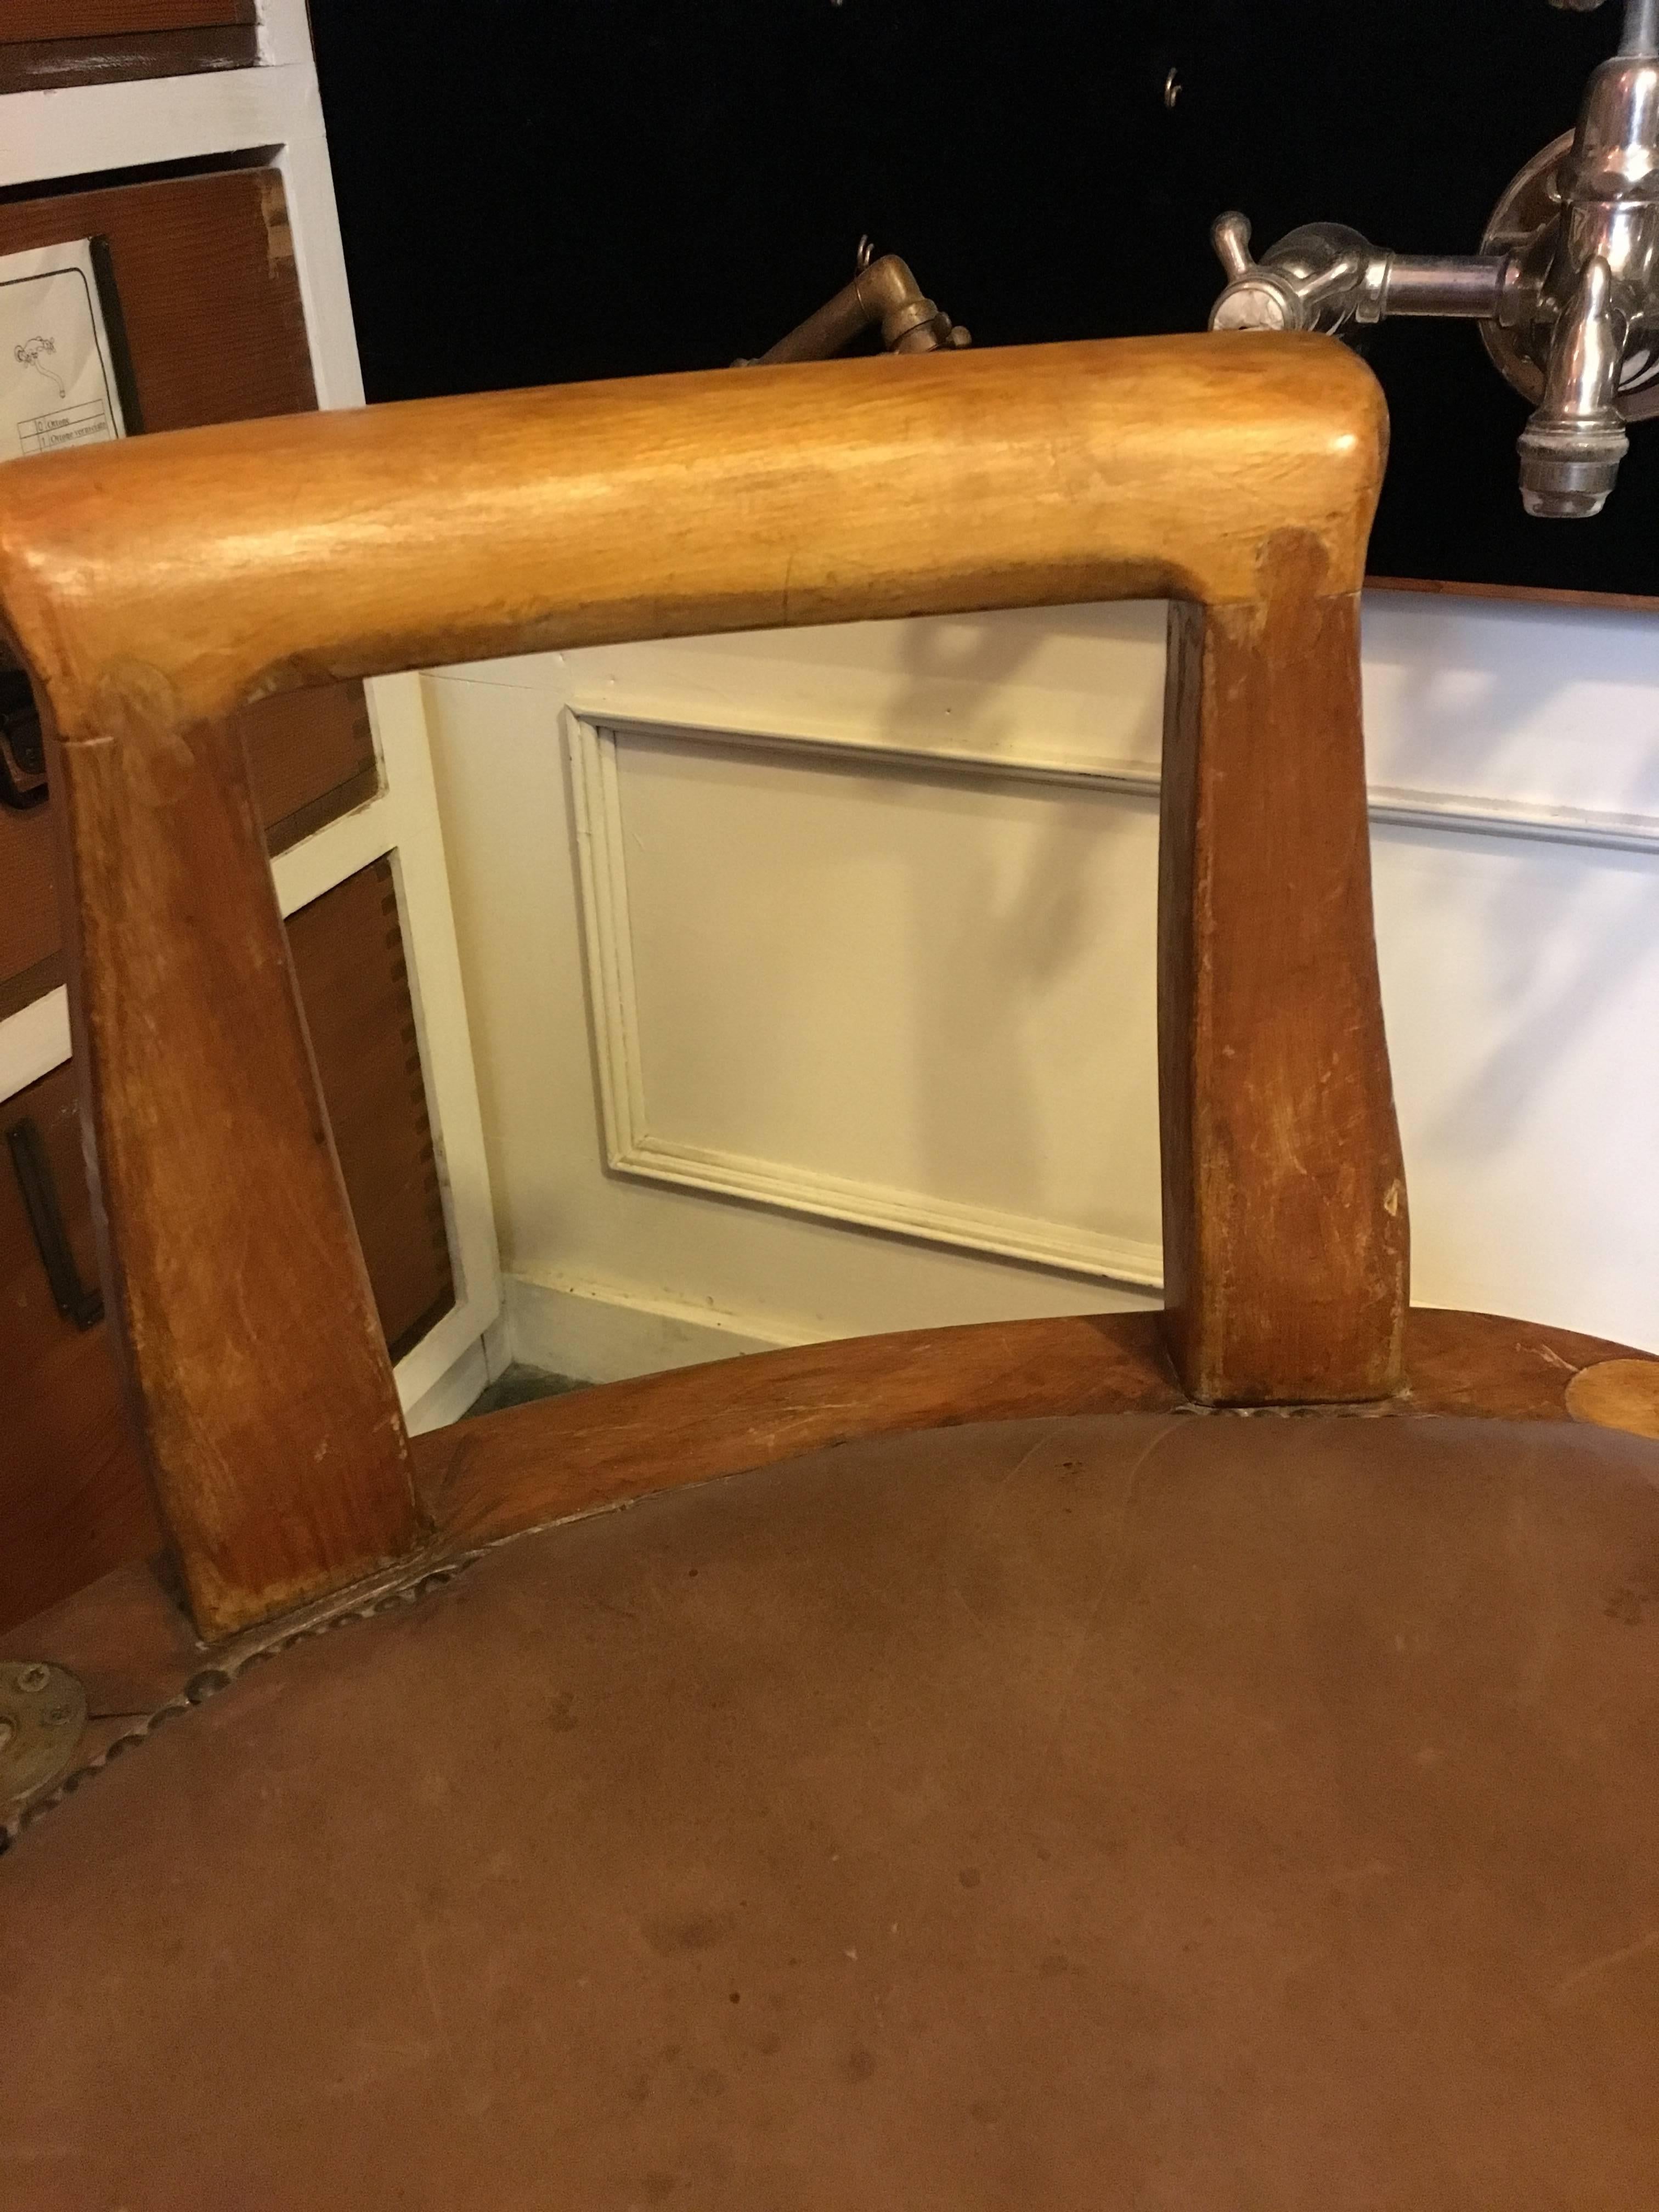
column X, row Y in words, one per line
column 1285, row 1223
column 347, row 951
column 1618, row 1393
column 126, row 1639
column 594, row 1447
column 211, row 328
column 258, row 1382
column 98, row 18
column 55, row 64
column 534, row 1463
column 674, row 505
column 311, row 755
column 1493, row 1368
column 73, row 1500
column 153, row 587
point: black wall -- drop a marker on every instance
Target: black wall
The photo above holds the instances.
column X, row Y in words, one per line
column 539, row 190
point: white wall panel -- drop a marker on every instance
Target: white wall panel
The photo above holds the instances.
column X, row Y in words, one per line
column 1520, row 984
column 903, row 996
column 920, row 961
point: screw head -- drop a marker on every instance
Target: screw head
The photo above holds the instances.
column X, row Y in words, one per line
column 43, row 1710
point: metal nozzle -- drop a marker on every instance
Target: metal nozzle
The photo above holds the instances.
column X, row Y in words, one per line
column 1571, row 448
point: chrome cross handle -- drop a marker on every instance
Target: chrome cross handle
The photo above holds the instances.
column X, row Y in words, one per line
column 1325, row 277
column 1565, row 285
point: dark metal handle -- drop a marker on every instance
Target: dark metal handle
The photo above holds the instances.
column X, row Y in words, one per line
column 23, row 750
column 28, row 1156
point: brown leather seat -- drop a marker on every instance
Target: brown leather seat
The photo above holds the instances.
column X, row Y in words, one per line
column 973, row 1771
column 1143, row 1811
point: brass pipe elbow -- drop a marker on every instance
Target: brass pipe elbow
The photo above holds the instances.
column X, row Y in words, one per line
column 883, row 294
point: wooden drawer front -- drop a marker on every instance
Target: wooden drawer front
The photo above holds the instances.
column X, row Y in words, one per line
column 208, row 295
column 100, row 19
column 210, row 313
column 73, row 1502
column 311, row 756
column 29, row 961
column 63, row 42
column 349, row 956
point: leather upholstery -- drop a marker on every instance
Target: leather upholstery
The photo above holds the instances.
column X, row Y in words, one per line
column 1257, row 1814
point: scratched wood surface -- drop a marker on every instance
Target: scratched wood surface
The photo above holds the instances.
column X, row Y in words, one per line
column 496, row 1476
column 154, row 588
column 99, row 19
column 55, row 64
column 208, row 325
column 514, row 1470
column 73, row 1500
column 1278, row 1132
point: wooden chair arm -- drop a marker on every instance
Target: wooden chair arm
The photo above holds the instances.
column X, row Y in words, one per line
column 153, row 587
column 230, row 562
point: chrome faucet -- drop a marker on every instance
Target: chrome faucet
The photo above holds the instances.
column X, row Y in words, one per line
column 1565, row 286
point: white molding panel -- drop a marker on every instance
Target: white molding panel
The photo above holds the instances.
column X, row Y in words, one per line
column 36, row 1040
column 636, row 1142
column 1397, row 804
column 1451, row 811
column 633, row 1147
column 1514, row 760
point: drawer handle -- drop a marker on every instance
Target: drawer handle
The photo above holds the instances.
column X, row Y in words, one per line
column 28, row 1156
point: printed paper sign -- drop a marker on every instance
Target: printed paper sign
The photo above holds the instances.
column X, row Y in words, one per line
column 57, row 380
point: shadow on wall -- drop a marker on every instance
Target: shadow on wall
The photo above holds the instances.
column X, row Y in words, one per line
column 1554, row 710
column 1028, row 933
column 1521, row 973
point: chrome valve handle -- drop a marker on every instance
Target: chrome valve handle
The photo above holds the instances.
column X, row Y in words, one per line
column 1324, row 277
column 1565, row 285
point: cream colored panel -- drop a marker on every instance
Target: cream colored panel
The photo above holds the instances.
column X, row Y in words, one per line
column 917, row 999
column 568, row 1222
column 1521, row 985
column 1521, row 996
column 1545, row 710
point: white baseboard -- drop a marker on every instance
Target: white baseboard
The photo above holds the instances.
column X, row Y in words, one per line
column 497, row 1347
column 463, row 1381
column 606, row 1337
column 593, row 1335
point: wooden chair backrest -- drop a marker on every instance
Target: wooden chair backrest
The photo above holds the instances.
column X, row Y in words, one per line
column 153, row 588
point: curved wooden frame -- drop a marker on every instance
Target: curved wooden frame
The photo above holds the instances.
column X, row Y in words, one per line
column 153, row 588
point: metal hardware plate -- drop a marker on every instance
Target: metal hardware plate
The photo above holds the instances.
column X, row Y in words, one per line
column 42, row 1710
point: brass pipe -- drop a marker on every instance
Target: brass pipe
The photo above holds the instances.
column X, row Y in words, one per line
column 883, row 293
